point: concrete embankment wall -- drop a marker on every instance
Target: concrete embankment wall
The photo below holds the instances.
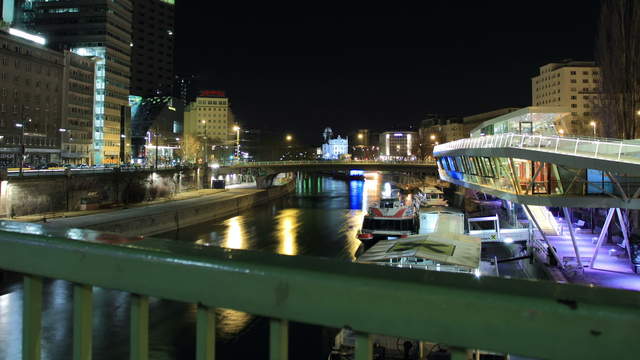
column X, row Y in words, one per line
column 182, row 216
column 41, row 194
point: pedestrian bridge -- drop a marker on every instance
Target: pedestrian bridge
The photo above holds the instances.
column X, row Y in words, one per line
column 546, row 170
column 460, row 312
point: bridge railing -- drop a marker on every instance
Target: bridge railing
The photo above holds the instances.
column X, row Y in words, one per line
column 598, row 148
column 329, row 162
column 530, row 318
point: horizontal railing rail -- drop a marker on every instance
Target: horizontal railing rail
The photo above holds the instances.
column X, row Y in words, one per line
column 530, row 318
column 598, row 148
column 330, row 162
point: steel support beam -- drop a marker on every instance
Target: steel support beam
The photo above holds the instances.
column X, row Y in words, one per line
column 603, row 233
column 567, row 216
column 625, row 234
column 553, row 251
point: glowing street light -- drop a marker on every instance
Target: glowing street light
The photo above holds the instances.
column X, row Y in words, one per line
column 289, row 137
column 360, row 136
column 561, row 132
column 236, row 128
column 432, row 137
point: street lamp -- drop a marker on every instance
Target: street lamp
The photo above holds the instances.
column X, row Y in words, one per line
column 593, row 123
column 432, row 137
column 236, row 128
column 21, row 126
column 289, row 138
column 561, row 132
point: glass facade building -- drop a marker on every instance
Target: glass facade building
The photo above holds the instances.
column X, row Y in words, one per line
column 102, row 29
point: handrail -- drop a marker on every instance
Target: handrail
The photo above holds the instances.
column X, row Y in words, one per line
column 523, row 317
column 329, row 162
column 598, row 148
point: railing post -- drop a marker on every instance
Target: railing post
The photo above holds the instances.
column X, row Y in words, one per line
column 575, row 151
column 619, row 151
column 82, row 325
column 597, row 146
column 32, row 317
column 206, row 333
column 557, row 142
column 278, row 339
column 139, row 327
column 364, row 346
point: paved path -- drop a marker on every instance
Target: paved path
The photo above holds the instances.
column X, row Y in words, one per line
column 87, row 221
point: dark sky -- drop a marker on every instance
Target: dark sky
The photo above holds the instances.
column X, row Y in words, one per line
column 384, row 69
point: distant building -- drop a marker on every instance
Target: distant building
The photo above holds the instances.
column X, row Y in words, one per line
column 573, row 84
column 206, row 124
column 157, row 124
column 31, row 80
column 99, row 28
column 152, row 48
column 334, row 148
column 76, row 132
column 399, row 146
column 436, row 129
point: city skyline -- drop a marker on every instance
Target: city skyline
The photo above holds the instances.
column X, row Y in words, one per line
column 380, row 72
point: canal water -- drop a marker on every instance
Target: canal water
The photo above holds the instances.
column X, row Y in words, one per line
column 320, row 219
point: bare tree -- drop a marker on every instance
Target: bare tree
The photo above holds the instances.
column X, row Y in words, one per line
column 618, row 55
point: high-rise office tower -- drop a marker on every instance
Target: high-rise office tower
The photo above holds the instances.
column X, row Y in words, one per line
column 99, row 28
column 152, row 48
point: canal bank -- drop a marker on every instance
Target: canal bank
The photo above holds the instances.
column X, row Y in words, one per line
column 174, row 215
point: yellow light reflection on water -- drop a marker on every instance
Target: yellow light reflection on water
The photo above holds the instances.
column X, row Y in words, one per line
column 235, row 235
column 288, row 224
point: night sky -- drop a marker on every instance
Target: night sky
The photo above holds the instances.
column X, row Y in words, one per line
column 385, row 70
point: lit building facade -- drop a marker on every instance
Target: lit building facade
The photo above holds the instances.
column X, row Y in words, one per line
column 157, row 128
column 31, row 77
column 573, row 84
column 96, row 28
column 76, row 132
column 436, row 129
column 152, row 48
column 206, row 124
column 334, row 148
column 399, row 146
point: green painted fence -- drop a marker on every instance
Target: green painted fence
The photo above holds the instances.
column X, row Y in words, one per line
column 530, row 318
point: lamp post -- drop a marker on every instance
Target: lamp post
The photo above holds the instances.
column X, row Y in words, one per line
column 62, row 131
column 21, row 126
column 236, row 128
column 593, row 123
column 156, row 136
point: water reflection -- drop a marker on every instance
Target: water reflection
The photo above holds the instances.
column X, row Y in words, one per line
column 235, row 236
column 287, row 228
column 355, row 194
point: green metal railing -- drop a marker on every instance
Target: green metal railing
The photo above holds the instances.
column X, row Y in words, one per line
column 530, row 318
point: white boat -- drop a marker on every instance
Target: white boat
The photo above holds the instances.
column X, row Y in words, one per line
column 388, row 218
column 432, row 196
column 445, row 247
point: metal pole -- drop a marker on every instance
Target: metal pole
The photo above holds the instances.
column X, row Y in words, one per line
column 22, row 149
column 156, row 134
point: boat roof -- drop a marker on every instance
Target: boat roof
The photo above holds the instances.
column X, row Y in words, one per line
column 442, row 247
column 431, row 190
